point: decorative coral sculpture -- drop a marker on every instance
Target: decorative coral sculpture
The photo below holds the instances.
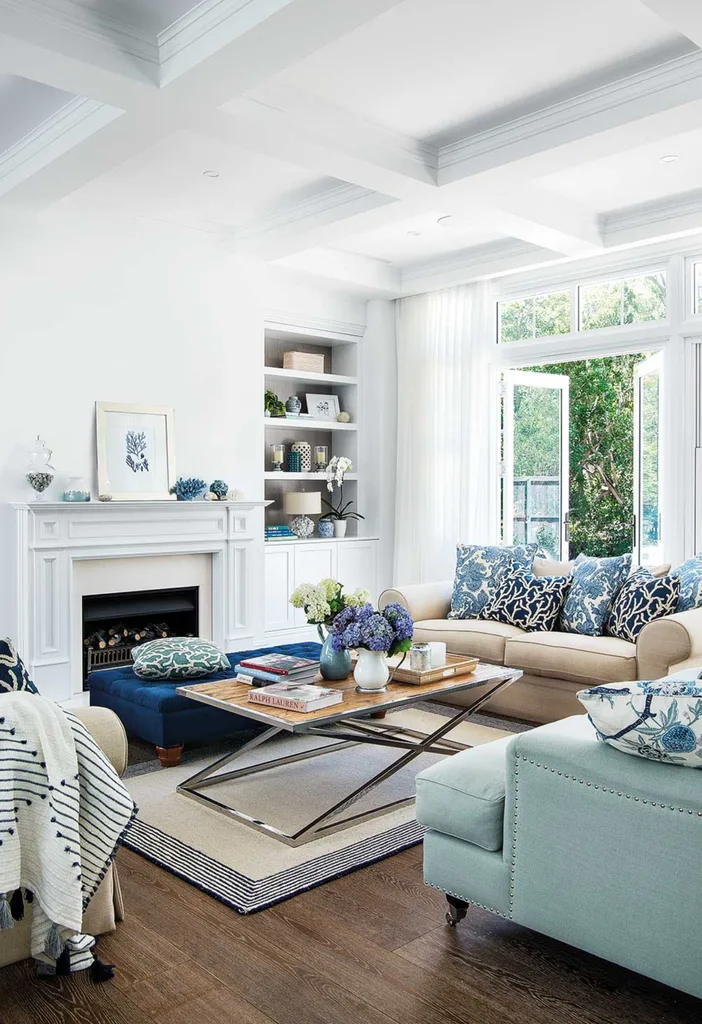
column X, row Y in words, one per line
column 188, row 488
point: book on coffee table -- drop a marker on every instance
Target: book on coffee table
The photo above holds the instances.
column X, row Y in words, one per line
column 281, row 666
column 256, row 677
column 296, row 697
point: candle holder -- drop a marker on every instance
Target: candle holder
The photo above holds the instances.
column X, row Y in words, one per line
column 321, row 457
column 278, row 457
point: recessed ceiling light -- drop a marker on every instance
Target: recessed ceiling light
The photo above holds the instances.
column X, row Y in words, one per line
column 210, row 174
column 414, row 234
column 445, row 219
column 670, row 158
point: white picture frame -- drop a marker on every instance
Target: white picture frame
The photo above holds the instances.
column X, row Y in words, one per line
column 135, row 451
column 323, row 407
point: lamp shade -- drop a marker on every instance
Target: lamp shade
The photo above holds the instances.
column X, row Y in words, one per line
column 303, row 503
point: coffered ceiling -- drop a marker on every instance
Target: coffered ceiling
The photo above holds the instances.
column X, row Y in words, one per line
column 389, row 145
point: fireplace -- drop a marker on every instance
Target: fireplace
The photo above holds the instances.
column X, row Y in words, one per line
column 114, row 624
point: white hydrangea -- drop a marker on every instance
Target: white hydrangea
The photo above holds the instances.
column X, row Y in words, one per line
column 357, row 598
column 330, row 587
column 313, row 599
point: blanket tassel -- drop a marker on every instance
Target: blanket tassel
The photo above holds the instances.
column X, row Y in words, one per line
column 17, row 905
column 53, row 947
column 100, row 971
column 6, row 918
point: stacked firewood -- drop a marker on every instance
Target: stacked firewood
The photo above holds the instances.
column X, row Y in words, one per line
column 124, row 636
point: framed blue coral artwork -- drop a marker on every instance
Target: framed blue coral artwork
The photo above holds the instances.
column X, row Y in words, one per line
column 135, row 451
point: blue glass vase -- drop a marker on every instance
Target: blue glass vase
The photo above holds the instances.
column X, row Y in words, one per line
column 333, row 664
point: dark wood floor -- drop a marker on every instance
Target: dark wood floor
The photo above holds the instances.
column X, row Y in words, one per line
column 370, row 948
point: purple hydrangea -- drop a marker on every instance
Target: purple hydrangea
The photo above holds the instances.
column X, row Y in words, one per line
column 376, row 631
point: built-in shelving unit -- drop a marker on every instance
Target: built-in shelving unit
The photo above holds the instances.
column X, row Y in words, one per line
column 340, row 378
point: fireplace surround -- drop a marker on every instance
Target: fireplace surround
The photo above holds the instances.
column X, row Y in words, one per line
column 55, row 547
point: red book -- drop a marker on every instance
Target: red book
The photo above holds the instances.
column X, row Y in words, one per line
column 280, row 664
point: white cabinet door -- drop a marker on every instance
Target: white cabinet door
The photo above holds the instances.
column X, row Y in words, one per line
column 279, row 583
column 357, row 566
column 313, row 562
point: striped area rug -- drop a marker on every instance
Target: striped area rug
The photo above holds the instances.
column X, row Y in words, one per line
column 248, row 870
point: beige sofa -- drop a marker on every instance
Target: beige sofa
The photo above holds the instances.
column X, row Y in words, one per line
column 106, row 907
column 555, row 665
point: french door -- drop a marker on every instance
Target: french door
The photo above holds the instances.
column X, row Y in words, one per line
column 648, row 540
column 535, row 461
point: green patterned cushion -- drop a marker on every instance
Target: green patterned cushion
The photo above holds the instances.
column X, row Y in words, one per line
column 179, row 657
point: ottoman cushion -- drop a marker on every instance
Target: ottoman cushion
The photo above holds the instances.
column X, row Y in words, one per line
column 464, row 795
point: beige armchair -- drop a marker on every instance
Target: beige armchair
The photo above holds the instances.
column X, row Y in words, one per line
column 555, row 665
column 106, row 906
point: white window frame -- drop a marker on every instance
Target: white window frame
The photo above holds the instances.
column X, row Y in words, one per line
column 613, row 279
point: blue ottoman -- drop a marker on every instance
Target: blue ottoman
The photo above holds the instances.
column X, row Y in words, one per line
column 156, row 713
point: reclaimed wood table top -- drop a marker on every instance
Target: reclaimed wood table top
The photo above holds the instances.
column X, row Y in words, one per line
column 229, row 695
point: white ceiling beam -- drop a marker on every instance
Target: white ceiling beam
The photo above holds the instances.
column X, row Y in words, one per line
column 653, row 221
column 547, row 220
column 477, row 263
column 348, row 269
column 683, row 15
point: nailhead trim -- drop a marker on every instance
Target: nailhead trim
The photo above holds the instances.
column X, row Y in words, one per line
column 573, row 778
column 460, row 896
column 513, row 864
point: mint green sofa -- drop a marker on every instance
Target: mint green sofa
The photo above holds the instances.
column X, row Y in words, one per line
column 563, row 834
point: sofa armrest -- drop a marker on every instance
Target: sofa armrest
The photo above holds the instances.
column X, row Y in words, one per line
column 422, row 600
column 666, row 644
column 108, row 731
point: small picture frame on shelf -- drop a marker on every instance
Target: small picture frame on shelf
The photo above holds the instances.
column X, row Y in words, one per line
column 323, row 407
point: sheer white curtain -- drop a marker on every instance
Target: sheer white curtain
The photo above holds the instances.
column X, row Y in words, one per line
column 443, row 438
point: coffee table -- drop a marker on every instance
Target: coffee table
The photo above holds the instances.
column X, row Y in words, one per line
column 346, row 724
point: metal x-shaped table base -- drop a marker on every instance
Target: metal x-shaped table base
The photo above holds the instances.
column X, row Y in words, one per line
column 345, row 733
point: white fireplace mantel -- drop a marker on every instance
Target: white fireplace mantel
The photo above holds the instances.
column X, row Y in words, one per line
column 49, row 538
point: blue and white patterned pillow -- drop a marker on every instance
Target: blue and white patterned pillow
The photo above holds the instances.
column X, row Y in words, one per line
column 179, row 657
column 642, row 599
column 13, row 674
column 479, row 568
column 594, row 585
column 660, row 720
column 531, row 602
column 690, row 576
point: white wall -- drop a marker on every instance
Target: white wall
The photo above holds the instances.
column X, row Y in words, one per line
column 127, row 311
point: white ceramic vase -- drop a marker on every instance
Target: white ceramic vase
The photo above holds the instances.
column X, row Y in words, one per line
column 339, row 527
column 371, row 672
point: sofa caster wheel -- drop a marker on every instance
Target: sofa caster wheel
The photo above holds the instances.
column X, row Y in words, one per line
column 457, row 910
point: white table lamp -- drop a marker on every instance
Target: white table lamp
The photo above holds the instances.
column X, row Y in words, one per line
column 302, row 505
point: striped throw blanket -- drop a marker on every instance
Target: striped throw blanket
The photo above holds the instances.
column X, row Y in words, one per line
column 63, row 812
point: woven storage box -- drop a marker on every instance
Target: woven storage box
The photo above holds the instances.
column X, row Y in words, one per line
column 310, row 361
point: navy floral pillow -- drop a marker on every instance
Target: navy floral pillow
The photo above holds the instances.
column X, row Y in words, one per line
column 690, row 576
column 13, row 674
column 479, row 569
column 642, row 599
column 594, row 585
column 531, row 602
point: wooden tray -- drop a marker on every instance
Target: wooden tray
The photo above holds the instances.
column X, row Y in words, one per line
column 456, row 665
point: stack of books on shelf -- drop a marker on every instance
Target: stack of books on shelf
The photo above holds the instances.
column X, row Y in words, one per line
column 279, row 533
column 277, row 668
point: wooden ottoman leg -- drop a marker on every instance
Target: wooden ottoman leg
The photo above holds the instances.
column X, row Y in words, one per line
column 170, row 756
column 457, row 910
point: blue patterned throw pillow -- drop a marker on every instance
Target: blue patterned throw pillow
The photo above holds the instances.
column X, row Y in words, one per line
column 531, row 602
column 660, row 720
column 594, row 585
column 690, row 576
column 180, row 657
column 642, row 599
column 479, row 569
column 13, row 674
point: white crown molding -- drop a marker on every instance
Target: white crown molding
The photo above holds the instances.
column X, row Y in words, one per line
column 75, row 121
column 191, row 26
column 683, row 74
column 277, row 320
column 656, row 212
column 509, row 249
column 90, row 25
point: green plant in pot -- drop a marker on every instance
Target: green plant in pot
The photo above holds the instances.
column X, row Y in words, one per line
column 273, row 406
column 339, row 512
column 321, row 603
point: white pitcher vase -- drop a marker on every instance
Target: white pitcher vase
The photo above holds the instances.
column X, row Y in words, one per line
column 371, row 672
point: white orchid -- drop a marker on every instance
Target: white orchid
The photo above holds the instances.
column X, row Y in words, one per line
column 336, row 470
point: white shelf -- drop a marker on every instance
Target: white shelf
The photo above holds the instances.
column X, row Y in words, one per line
column 319, row 477
column 283, row 423
column 319, row 540
column 331, row 379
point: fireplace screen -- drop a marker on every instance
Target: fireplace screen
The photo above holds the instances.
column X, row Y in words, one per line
column 114, row 624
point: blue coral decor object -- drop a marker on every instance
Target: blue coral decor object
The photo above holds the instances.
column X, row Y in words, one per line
column 188, row 488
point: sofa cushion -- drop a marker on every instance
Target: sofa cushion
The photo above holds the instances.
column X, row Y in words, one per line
column 643, row 599
column 479, row 569
column 550, row 567
column 464, row 795
column 586, row 659
column 595, row 584
column 13, row 673
column 659, row 720
column 475, row 637
column 531, row 602
column 690, row 576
